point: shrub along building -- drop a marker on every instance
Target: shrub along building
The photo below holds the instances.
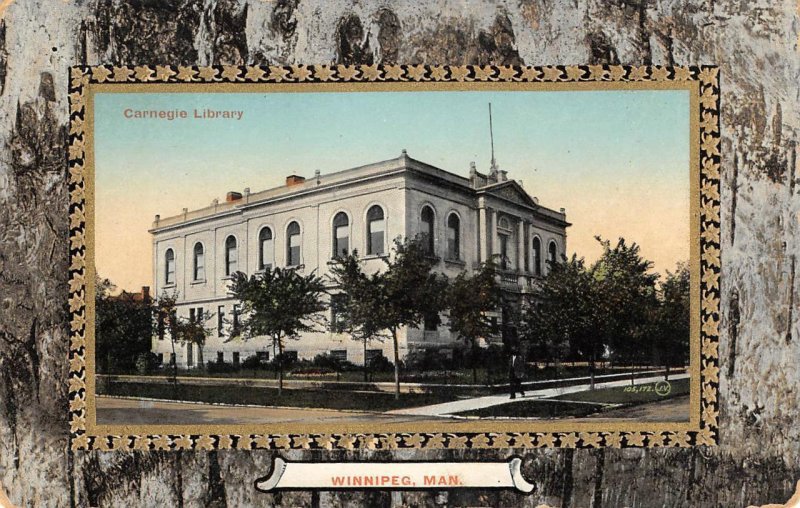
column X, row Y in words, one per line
column 308, row 222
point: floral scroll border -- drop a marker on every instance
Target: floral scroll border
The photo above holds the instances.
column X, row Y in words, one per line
column 707, row 78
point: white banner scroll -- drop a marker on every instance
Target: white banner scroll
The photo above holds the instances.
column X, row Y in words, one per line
column 394, row 475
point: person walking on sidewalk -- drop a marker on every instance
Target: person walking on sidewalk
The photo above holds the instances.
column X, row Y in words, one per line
column 516, row 372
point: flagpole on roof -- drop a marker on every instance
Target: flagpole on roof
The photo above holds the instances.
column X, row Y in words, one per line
column 491, row 138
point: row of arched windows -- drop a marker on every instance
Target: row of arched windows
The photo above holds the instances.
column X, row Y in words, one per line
column 376, row 229
column 427, row 233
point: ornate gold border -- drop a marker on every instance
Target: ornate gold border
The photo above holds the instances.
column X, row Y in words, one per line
column 701, row 81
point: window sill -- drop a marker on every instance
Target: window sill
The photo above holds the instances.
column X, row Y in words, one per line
column 375, row 256
column 197, row 282
column 455, row 262
column 171, row 285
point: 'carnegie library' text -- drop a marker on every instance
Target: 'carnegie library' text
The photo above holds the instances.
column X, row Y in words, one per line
column 182, row 114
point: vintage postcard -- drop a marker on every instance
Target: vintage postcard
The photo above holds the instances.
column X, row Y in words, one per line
column 394, row 257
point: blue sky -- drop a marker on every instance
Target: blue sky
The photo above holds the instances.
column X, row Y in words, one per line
column 595, row 153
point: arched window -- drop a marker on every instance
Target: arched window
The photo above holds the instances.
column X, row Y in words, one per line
column 453, row 237
column 551, row 252
column 426, row 223
column 231, row 255
column 293, row 244
column 376, row 227
column 537, row 256
column 169, row 267
column 266, row 250
column 199, row 263
column 341, row 235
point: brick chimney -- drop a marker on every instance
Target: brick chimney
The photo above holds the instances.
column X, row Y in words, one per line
column 233, row 196
column 293, row 180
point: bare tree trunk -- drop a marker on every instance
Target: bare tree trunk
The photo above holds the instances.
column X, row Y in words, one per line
column 396, row 364
column 366, row 363
column 280, row 366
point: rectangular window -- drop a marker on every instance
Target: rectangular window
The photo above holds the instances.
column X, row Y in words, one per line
column 294, row 250
column 189, row 355
column 232, row 260
column 339, row 354
column 172, row 358
column 199, row 266
column 221, row 321
column 161, row 358
column 220, row 356
column 374, row 353
column 377, row 228
column 196, row 315
column 504, row 252
column 431, row 323
column 170, row 271
column 342, row 247
column 235, row 327
column 338, row 301
column 236, row 358
column 263, row 356
column 426, row 237
column 267, row 250
column 452, row 244
column 290, row 356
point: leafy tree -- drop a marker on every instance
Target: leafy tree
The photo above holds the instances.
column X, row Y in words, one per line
column 407, row 292
column 469, row 299
column 123, row 328
column 565, row 317
column 671, row 327
column 401, row 295
column 358, row 306
column 194, row 331
column 279, row 303
column 182, row 330
column 167, row 322
column 626, row 297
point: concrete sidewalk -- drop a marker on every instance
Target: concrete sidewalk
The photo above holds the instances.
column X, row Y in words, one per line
column 450, row 408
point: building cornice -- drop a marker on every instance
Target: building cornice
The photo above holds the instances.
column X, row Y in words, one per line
column 348, row 178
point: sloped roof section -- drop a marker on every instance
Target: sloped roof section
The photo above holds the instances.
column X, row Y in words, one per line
column 510, row 190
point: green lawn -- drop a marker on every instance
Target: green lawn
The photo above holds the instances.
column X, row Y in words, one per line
column 547, row 408
column 365, row 401
column 629, row 395
column 457, row 376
